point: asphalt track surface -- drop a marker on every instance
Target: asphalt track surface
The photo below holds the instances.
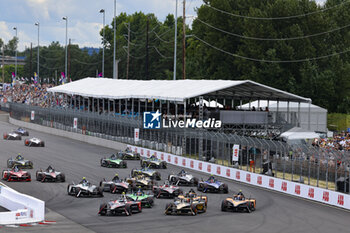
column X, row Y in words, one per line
column 275, row 212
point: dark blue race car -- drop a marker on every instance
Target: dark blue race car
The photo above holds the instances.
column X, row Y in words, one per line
column 212, row 185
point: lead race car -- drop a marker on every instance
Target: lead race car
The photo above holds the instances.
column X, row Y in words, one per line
column 50, row 175
column 153, row 162
column 167, row 191
column 116, row 185
column 128, row 154
column 16, row 174
column 20, row 162
column 12, row 136
column 34, row 142
column 183, row 178
column 21, row 132
column 146, row 199
column 186, row 206
column 146, row 172
column 84, row 189
column 238, row 203
column 114, row 161
column 122, row 206
column 212, row 185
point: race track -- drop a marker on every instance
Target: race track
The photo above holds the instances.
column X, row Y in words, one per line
column 275, row 212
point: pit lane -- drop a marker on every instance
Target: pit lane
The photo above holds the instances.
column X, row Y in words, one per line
column 275, row 212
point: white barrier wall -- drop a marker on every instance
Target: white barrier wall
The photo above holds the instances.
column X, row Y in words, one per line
column 292, row 188
column 23, row 208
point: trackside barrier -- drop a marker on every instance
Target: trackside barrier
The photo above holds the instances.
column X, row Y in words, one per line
column 292, row 188
column 23, row 208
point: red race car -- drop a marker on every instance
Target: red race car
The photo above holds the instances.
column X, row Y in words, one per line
column 16, row 174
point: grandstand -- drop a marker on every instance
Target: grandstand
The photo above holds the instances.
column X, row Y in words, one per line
column 183, row 97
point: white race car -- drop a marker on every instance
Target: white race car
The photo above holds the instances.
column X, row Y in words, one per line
column 34, row 142
column 183, row 178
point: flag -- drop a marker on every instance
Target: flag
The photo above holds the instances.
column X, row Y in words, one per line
column 35, row 77
column 13, row 78
column 100, row 74
column 63, row 78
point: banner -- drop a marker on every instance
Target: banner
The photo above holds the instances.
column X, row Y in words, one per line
column 75, row 123
column 136, row 134
column 32, row 114
column 235, row 152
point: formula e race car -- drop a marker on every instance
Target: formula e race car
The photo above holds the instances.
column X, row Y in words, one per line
column 238, row 203
column 212, row 185
column 130, row 155
column 114, row 161
column 166, row 191
column 192, row 195
column 116, row 185
column 123, row 206
column 84, row 189
column 20, row 162
column 12, row 136
column 142, row 181
column 153, row 162
column 146, row 172
column 34, row 142
column 16, row 174
column 21, row 132
column 146, row 199
column 50, row 175
column 183, row 178
column 186, row 206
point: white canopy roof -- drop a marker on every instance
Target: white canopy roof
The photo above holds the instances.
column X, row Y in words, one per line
column 299, row 133
column 178, row 90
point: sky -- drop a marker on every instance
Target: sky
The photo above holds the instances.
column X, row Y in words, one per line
column 84, row 19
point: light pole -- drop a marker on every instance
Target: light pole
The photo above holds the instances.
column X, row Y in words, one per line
column 65, row 69
column 103, row 44
column 175, row 45
column 38, row 62
column 115, row 39
column 15, row 28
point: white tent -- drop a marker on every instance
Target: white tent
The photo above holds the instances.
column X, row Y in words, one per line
column 318, row 115
column 173, row 90
column 299, row 133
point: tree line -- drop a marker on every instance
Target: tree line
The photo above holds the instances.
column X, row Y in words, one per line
column 294, row 45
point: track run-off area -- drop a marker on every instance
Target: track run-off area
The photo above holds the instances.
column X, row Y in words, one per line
column 275, row 212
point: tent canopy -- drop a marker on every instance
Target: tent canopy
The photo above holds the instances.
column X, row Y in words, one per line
column 299, row 133
column 174, row 90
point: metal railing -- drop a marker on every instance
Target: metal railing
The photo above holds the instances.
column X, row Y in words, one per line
column 300, row 163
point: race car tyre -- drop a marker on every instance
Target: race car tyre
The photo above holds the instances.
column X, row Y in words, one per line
column 164, row 166
column 173, row 180
column 4, row 176
column 223, row 206
column 132, row 172
column 194, row 209
column 61, row 177
column 124, row 165
column 128, row 210
column 39, row 177
column 168, row 208
column 103, row 209
column 9, row 163
column 42, row 144
column 150, row 202
column 225, row 188
column 193, row 181
column 252, row 206
column 100, row 191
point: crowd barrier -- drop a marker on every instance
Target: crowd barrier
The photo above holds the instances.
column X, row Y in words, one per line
column 292, row 188
column 22, row 208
